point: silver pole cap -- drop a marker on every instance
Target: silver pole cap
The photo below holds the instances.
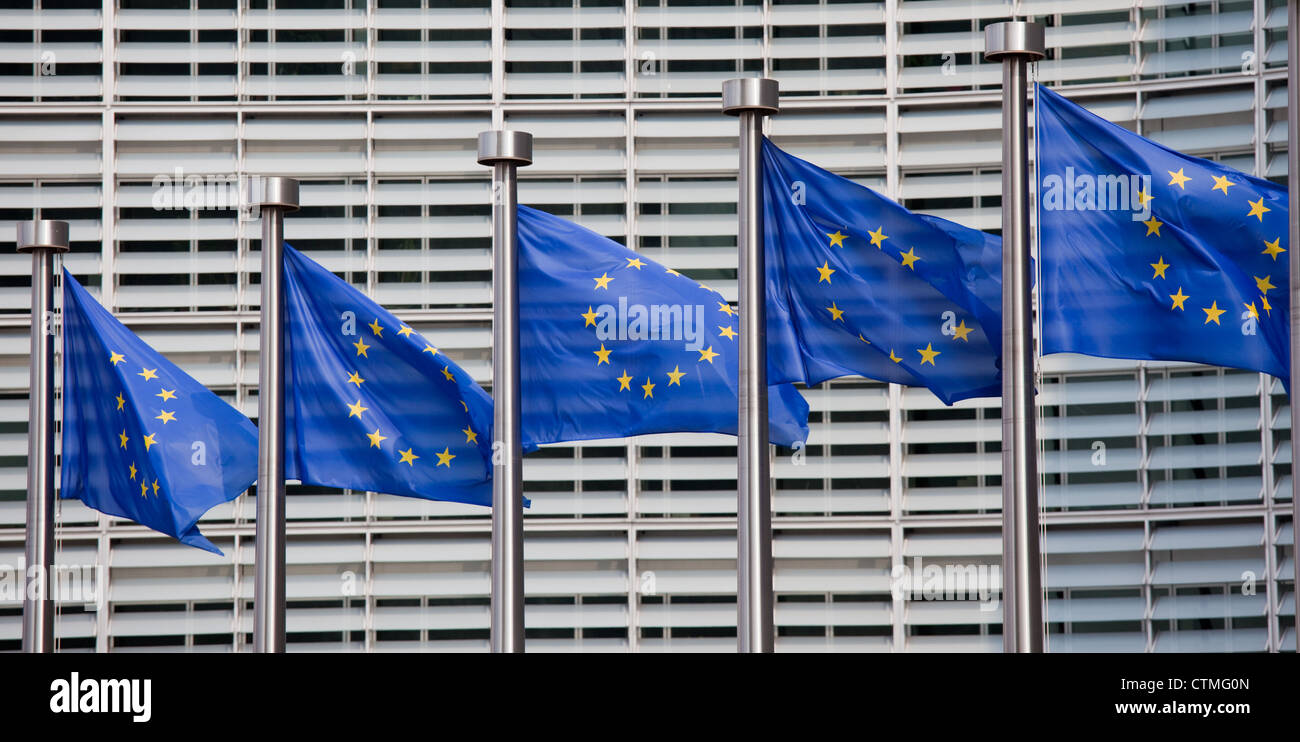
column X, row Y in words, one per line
column 751, row 94
column 273, row 191
column 43, row 234
column 1018, row 38
column 501, row 145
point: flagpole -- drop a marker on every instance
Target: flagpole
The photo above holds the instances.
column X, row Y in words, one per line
column 751, row 99
column 42, row 238
column 1293, row 263
column 506, row 152
column 1016, row 43
column 274, row 197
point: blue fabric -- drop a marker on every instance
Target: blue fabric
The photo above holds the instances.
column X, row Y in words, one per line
column 614, row 344
column 1150, row 254
column 141, row 439
column 370, row 404
column 857, row 284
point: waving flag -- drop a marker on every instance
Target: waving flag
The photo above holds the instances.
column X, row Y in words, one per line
column 613, row 344
column 370, row 404
column 1151, row 254
column 857, row 284
column 142, row 439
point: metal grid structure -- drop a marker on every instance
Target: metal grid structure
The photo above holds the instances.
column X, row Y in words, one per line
column 1167, row 486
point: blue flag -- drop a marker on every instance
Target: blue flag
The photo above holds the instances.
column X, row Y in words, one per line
column 141, row 439
column 370, row 404
column 1150, row 254
column 857, row 284
column 614, row 344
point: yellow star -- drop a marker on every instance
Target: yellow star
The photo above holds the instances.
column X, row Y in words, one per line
column 893, row 357
column 634, row 263
column 675, row 376
column 1178, row 178
column 462, row 404
column 149, row 441
column 1143, row 197
column 123, row 437
column 408, row 457
column 837, row 239
column 726, row 308
column 155, row 488
column 355, row 410
column 166, row 417
column 405, row 331
column 1251, row 308
column 928, row 354
column 120, row 401
column 1178, row 298
column 430, row 350
column 133, row 470
column 1160, row 268
column 470, row 435
column 624, row 381
column 707, row 287
column 590, row 316
column 1258, row 209
column 375, row 438
column 115, row 358
column 144, row 490
column 602, row 355
column 836, row 312
column 1264, row 284
column 1212, row 313
column 868, row 342
column 649, row 388
column 1221, row 184
column 377, row 328
column 444, row 458
column 166, row 394
column 361, row 347
column 878, row 237
column 148, row 373
column 708, row 355
column 670, row 270
column 1274, row 248
column 1153, row 226
column 961, row 331
column 353, row 378
column 446, row 372
column 1265, row 305
column 909, row 258
column 727, row 332
column 826, row 270
column 603, row 281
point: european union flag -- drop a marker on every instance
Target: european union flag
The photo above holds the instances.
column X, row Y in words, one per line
column 141, row 439
column 613, row 344
column 1150, row 254
column 857, row 284
column 370, row 404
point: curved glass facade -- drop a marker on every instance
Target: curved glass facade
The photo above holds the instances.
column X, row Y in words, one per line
column 1166, row 486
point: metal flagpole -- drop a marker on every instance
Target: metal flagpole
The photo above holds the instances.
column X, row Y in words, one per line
column 41, row 238
column 274, row 197
column 751, row 99
column 1293, row 261
column 1016, row 43
column 506, row 152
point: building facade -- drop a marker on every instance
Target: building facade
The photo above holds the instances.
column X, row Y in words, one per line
column 1166, row 486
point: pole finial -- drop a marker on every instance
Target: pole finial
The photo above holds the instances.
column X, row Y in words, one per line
column 759, row 94
column 1020, row 38
column 504, row 145
column 42, row 234
column 272, row 190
